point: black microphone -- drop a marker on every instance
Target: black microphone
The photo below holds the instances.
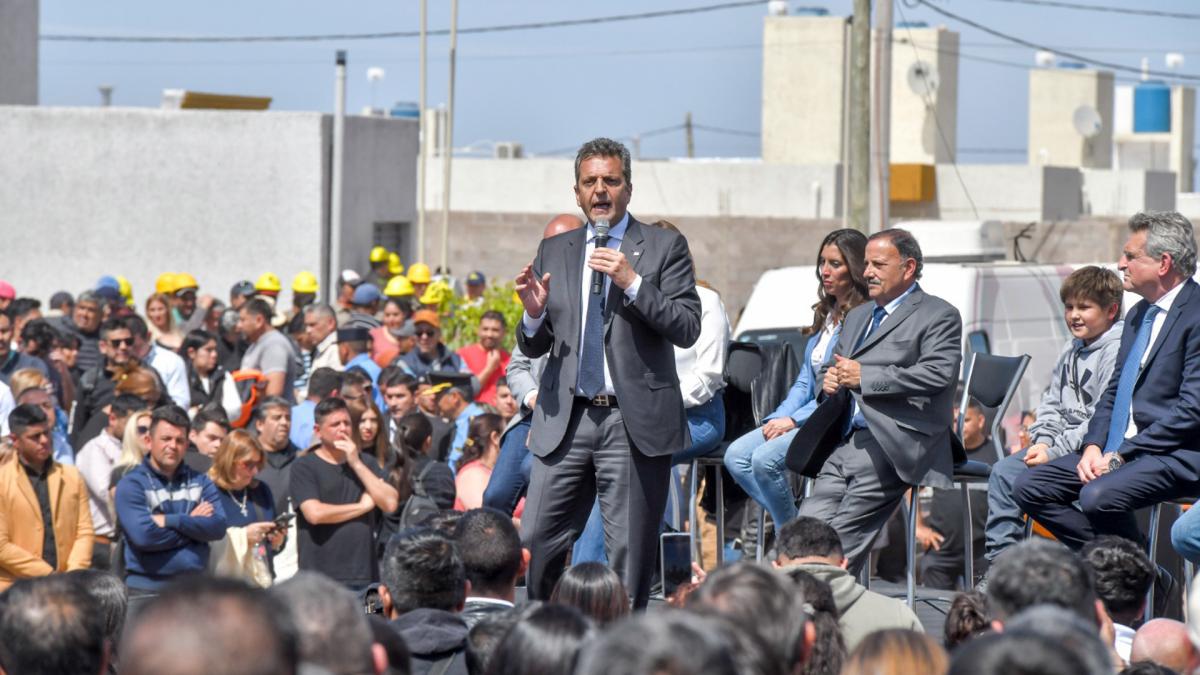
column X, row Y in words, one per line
column 601, row 240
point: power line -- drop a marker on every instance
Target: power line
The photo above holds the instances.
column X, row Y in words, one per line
column 1106, row 8
column 722, row 130
column 1070, row 55
column 535, row 25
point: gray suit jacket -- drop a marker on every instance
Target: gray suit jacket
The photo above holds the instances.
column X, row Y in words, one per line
column 522, row 376
column 638, row 338
column 910, row 366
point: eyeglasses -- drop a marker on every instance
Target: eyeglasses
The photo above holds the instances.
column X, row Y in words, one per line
column 425, row 332
column 250, row 465
column 121, row 342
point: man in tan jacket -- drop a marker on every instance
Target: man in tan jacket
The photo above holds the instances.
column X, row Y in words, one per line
column 45, row 523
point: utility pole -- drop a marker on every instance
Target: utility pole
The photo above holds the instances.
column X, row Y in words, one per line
column 690, row 134
column 335, row 199
column 422, row 139
column 860, row 116
column 881, row 156
column 449, row 149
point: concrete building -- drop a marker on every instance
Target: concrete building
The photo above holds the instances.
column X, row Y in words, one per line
column 18, row 52
column 1063, row 102
column 924, row 95
column 804, row 89
column 1168, row 144
column 223, row 195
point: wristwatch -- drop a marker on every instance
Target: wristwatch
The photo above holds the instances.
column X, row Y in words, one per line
column 1114, row 461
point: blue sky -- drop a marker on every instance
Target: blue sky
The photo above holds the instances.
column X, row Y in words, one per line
column 551, row 88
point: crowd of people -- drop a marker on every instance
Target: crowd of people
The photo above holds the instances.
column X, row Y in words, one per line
column 329, row 487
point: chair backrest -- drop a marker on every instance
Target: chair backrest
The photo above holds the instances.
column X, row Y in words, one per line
column 743, row 365
column 993, row 381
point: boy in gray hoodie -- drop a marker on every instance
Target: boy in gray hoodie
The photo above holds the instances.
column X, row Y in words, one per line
column 1091, row 298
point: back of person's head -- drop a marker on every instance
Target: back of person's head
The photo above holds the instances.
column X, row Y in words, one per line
column 399, row 657
column 485, row 636
column 202, row 625
column 805, row 537
column 1123, row 574
column 1097, row 285
column 672, row 642
column 1165, row 642
column 332, row 628
column 422, row 569
column 126, row 404
column 491, row 551
column 967, row 618
column 1015, row 653
column 51, row 625
column 1147, row 668
column 594, row 589
column 896, row 651
column 1040, row 572
column 1068, row 630
column 545, row 641
column 442, row 521
column 261, row 308
column 324, row 382
column 829, row 649
column 40, row 331
column 110, row 600
column 751, row 595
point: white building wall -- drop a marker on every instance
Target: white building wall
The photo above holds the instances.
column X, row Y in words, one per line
column 1109, row 192
column 803, row 89
column 916, row 138
column 1008, row 192
column 18, row 52
column 1055, row 94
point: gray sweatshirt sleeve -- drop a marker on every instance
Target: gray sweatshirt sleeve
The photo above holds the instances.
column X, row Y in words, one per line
column 1050, row 423
column 1106, row 363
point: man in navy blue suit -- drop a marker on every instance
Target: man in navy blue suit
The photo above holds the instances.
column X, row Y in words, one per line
column 1143, row 442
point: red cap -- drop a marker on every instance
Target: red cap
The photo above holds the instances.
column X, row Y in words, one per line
column 7, row 292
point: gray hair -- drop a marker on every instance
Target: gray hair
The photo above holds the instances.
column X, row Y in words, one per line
column 1068, row 630
column 1171, row 233
column 320, row 310
column 605, row 147
column 229, row 320
column 332, row 627
column 89, row 296
column 905, row 243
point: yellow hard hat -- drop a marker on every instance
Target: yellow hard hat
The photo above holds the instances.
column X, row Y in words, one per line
column 125, row 290
column 378, row 254
column 418, row 273
column 394, row 265
column 165, row 283
column 398, row 287
column 436, row 293
column 183, row 280
column 305, row 282
column 268, row 283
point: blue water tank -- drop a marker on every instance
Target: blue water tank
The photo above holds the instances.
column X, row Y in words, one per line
column 1152, row 107
column 406, row 110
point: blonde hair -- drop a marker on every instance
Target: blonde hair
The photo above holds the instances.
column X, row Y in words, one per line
column 896, row 652
column 160, row 297
column 133, row 451
column 25, row 379
column 139, row 381
column 237, row 446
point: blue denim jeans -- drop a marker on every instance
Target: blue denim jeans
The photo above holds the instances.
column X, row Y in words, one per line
column 1005, row 527
column 758, row 466
column 510, row 476
column 1185, row 535
column 706, row 423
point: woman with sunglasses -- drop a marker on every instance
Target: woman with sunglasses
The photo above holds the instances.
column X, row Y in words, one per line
column 252, row 535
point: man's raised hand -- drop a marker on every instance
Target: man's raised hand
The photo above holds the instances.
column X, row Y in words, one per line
column 534, row 292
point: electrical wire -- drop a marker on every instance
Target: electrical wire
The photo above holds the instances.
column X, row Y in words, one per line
column 1106, row 8
column 535, row 25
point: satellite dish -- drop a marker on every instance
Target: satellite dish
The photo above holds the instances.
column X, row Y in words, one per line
column 1174, row 60
column 777, row 8
column 1087, row 121
column 922, row 79
column 1044, row 59
column 375, row 73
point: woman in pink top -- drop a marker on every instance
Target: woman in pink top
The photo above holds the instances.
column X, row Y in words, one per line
column 478, row 458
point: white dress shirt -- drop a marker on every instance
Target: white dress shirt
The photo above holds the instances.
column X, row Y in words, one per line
column 701, row 367
column 531, row 325
column 171, row 368
column 1164, row 304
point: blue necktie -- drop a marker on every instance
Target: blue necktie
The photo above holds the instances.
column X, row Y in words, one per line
column 1119, row 422
column 591, row 360
column 877, row 315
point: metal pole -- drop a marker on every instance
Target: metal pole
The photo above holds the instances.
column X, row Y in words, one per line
column 691, row 136
column 449, row 149
column 860, row 116
column 882, row 138
column 844, row 196
column 422, row 140
column 339, row 154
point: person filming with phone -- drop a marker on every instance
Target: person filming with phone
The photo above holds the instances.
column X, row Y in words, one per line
column 252, row 535
column 339, row 491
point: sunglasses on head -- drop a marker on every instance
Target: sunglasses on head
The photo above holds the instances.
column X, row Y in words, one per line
column 121, row 342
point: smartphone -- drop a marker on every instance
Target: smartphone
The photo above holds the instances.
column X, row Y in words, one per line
column 675, row 550
column 281, row 521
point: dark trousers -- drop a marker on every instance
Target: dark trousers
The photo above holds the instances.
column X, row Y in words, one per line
column 596, row 457
column 1106, row 505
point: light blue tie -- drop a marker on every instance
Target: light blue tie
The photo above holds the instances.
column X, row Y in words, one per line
column 1119, row 422
column 877, row 316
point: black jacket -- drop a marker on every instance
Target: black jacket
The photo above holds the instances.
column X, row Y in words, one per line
column 434, row 636
column 478, row 610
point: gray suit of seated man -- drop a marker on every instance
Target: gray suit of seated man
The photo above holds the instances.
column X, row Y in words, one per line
column 899, row 357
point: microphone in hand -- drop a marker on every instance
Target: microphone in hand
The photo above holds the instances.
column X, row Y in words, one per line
column 602, row 228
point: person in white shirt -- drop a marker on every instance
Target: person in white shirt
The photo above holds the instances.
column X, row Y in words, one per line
column 168, row 364
column 95, row 462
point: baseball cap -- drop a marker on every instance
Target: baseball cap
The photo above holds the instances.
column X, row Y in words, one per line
column 365, row 294
column 476, row 279
column 427, row 316
column 108, row 281
column 7, row 292
column 350, row 277
column 243, row 288
column 109, row 293
column 353, row 334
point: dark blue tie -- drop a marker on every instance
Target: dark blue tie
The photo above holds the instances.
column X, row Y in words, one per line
column 591, row 360
column 877, row 315
column 1119, row 422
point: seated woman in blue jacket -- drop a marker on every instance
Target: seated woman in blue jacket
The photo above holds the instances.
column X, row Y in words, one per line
column 756, row 460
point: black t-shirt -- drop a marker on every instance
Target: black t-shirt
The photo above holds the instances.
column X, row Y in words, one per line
column 344, row 551
column 276, row 473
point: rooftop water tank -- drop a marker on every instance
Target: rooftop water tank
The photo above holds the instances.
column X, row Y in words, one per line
column 1152, row 107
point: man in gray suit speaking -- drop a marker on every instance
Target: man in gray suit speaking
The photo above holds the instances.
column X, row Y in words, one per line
column 606, row 302
column 899, row 357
